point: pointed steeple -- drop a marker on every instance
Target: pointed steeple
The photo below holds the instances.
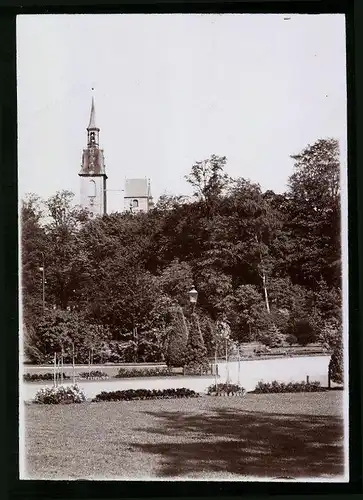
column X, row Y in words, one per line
column 92, row 129
column 93, row 173
column 92, row 119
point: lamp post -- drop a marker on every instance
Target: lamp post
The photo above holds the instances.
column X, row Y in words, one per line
column 239, row 365
column 225, row 334
column 42, row 269
column 193, row 297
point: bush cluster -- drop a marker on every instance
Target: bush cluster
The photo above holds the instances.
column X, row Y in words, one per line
column 60, row 395
column 143, row 372
column 132, row 394
column 95, row 374
column 275, row 387
column 34, row 377
column 288, row 351
column 336, row 365
column 226, row 390
column 197, row 368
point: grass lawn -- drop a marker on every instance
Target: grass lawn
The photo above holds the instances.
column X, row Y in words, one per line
column 261, row 435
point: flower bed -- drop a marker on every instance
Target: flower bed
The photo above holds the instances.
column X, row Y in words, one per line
column 60, row 395
column 95, row 375
column 226, row 390
column 144, row 372
column 36, row 377
column 138, row 394
column 279, row 387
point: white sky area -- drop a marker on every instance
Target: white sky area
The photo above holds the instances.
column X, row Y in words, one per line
column 171, row 90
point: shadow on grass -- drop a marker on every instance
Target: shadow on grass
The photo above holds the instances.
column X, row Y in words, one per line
column 248, row 443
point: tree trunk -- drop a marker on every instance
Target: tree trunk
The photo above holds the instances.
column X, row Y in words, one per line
column 55, row 369
column 58, row 369
column 227, row 367
column 89, row 363
column 73, row 365
column 215, row 367
column 136, row 343
column 265, row 293
column 239, row 366
column 61, row 374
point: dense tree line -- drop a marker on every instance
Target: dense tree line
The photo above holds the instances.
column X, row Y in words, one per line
column 117, row 286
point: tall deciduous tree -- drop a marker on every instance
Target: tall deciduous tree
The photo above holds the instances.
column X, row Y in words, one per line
column 314, row 222
column 209, row 180
column 65, row 262
column 208, row 177
column 176, row 280
column 33, row 248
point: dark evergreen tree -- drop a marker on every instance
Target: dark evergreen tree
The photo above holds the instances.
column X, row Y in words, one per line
column 336, row 365
column 177, row 339
column 196, row 352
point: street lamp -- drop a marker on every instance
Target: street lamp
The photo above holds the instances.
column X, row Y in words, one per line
column 193, row 297
column 42, row 269
column 225, row 330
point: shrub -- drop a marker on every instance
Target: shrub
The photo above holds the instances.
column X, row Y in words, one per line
column 197, row 368
column 226, row 390
column 93, row 374
column 304, row 329
column 336, row 365
column 34, row 377
column 291, row 339
column 139, row 394
column 60, row 395
column 144, row 372
column 177, row 340
column 196, row 352
column 273, row 337
column 280, row 387
column 262, row 349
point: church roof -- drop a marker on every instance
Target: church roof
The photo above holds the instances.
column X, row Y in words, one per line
column 136, row 188
column 92, row 118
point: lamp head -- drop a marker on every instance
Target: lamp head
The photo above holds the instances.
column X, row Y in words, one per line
column 193, row 295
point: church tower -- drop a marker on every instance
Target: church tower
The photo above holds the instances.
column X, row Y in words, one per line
column 93, row 175
column 138, row 196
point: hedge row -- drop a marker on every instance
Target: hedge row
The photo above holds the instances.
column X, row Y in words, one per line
column 144, row 372
column 226, row 390
column 132, row 394
column 279, row 387
column 95, row 374
column 34, row 377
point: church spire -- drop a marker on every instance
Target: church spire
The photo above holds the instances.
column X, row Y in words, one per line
column 92, row 119
column 93, row 173
column 92, row 129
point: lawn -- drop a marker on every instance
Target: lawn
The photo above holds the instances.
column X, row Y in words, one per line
column 260, row 435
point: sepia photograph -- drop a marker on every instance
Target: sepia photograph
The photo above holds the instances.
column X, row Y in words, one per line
column 183, row 270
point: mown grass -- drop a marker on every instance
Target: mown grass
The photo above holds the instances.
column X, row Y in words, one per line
column 264, row 435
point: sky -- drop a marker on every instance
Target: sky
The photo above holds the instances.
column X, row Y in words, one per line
column 171, row 90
